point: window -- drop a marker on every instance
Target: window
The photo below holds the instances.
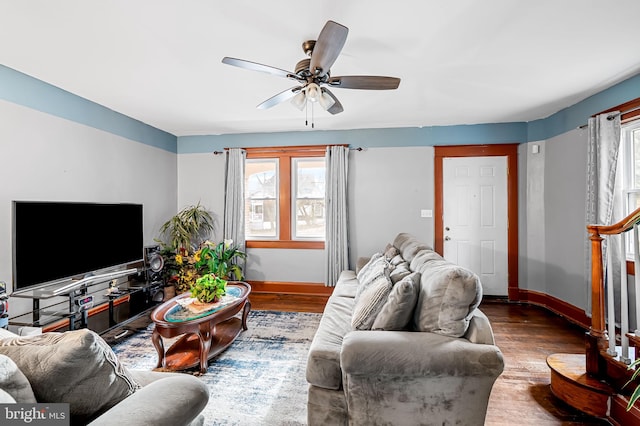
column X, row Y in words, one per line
column 284, row 197
column 629, row 162
column 630, row 136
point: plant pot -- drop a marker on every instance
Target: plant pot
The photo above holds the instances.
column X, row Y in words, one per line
column 169, row 293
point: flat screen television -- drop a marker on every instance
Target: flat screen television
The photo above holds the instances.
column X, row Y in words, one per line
column 54, row 241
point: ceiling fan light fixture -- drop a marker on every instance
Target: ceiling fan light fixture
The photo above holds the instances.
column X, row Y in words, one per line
column 299, row 100
column 313, row 92
column 326, row 101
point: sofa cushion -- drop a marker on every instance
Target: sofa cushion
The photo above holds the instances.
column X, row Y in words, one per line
column 398, row 309
column 347, row 284
column 448, row 296
column 371, row 300
column 409, row 245
column 14, row 382
column 76, row 367
column 426, row 256
column 323, row 361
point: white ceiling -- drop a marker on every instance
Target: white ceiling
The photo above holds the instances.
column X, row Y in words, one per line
column 461, row 62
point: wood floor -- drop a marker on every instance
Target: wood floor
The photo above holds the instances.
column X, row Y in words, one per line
column 526, row 335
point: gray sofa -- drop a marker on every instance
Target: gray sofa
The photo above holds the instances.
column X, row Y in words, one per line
column 79, row 368
column 402, row 342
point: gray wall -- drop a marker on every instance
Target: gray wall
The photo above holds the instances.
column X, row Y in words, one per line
column 552, row 238
column 387, row 189
column 47, row 158
column 389, row 186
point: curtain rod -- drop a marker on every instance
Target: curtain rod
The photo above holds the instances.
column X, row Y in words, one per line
column 225, row 149
column 612, row 116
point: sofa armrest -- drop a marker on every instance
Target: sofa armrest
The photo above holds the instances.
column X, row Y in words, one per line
column 170, row 401
column 417, row 354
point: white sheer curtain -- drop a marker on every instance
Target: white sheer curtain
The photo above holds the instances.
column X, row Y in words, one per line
column 234, row 198
column 337, row 236
column 604, row 198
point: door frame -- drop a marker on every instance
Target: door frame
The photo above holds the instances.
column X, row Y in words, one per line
column 501, row 150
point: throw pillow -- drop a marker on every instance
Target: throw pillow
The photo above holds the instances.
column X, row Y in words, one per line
column 362, row 273
column 76, row 367
column 380, row 266
column 370, row 302
column 397, row 311
column 400, row 271
column 390, row 252
column 14, row 382
column 396, row 260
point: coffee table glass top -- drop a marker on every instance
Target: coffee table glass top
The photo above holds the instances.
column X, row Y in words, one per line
column 180, row 313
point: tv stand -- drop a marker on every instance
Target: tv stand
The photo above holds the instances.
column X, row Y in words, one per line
column 80, row 300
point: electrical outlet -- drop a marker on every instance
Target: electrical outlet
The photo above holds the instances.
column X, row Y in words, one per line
column 426, row 213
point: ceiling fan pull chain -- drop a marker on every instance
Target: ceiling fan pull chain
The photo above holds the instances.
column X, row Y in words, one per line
column 306, row 112
column 312, row 117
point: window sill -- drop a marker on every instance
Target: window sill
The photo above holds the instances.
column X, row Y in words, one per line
column 286, row 244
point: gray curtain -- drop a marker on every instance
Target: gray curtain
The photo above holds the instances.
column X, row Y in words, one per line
column 337, row 236
column 604, row 200
column 234, row 198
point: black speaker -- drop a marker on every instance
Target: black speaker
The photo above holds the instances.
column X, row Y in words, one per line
column 153, row 264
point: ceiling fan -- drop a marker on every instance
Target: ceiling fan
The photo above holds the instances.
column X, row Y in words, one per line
column 313, row 74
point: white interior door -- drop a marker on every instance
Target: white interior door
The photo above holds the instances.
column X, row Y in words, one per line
column 475, row 218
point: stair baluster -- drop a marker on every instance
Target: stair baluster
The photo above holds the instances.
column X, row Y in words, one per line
column 601, row 390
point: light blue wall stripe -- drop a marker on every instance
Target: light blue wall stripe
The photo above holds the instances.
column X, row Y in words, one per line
column 24, row 90
column 577, row 115
column 366, row 138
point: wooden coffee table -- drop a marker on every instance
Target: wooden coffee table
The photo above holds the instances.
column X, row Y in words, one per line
column 205, row 334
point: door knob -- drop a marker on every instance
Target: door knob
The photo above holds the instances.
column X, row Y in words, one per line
column 447, row 238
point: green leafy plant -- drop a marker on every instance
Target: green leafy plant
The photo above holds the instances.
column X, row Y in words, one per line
column 181, row 236
column 220, row 259
column 185, row 231
column 636, row 393
column 209, row 288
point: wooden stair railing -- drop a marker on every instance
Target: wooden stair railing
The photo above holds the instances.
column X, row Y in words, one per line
column 599, row 338
column 594, row 382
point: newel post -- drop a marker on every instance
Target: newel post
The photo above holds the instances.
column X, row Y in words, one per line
column 597, row 335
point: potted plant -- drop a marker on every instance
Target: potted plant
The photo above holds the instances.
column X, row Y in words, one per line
column 182, row 235
column 220, row 259
column 209, row 288
column 188, row 228
column 636, row 393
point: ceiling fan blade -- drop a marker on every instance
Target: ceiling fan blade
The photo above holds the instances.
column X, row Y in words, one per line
column 328, row 47
column 336, row 108
column 368, row 82
column 254, row 66
column 280, row 97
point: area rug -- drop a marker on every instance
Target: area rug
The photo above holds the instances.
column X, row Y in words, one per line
column 258, row 380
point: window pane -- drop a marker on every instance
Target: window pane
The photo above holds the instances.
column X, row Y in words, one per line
column 308, row 180
column 635, row 137
column 261, row 198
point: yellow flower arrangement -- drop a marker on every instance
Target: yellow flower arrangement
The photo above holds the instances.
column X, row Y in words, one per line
column 182, row 268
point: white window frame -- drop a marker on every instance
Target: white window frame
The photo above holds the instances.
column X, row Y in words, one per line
column 294, row 197
column 629, row 192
